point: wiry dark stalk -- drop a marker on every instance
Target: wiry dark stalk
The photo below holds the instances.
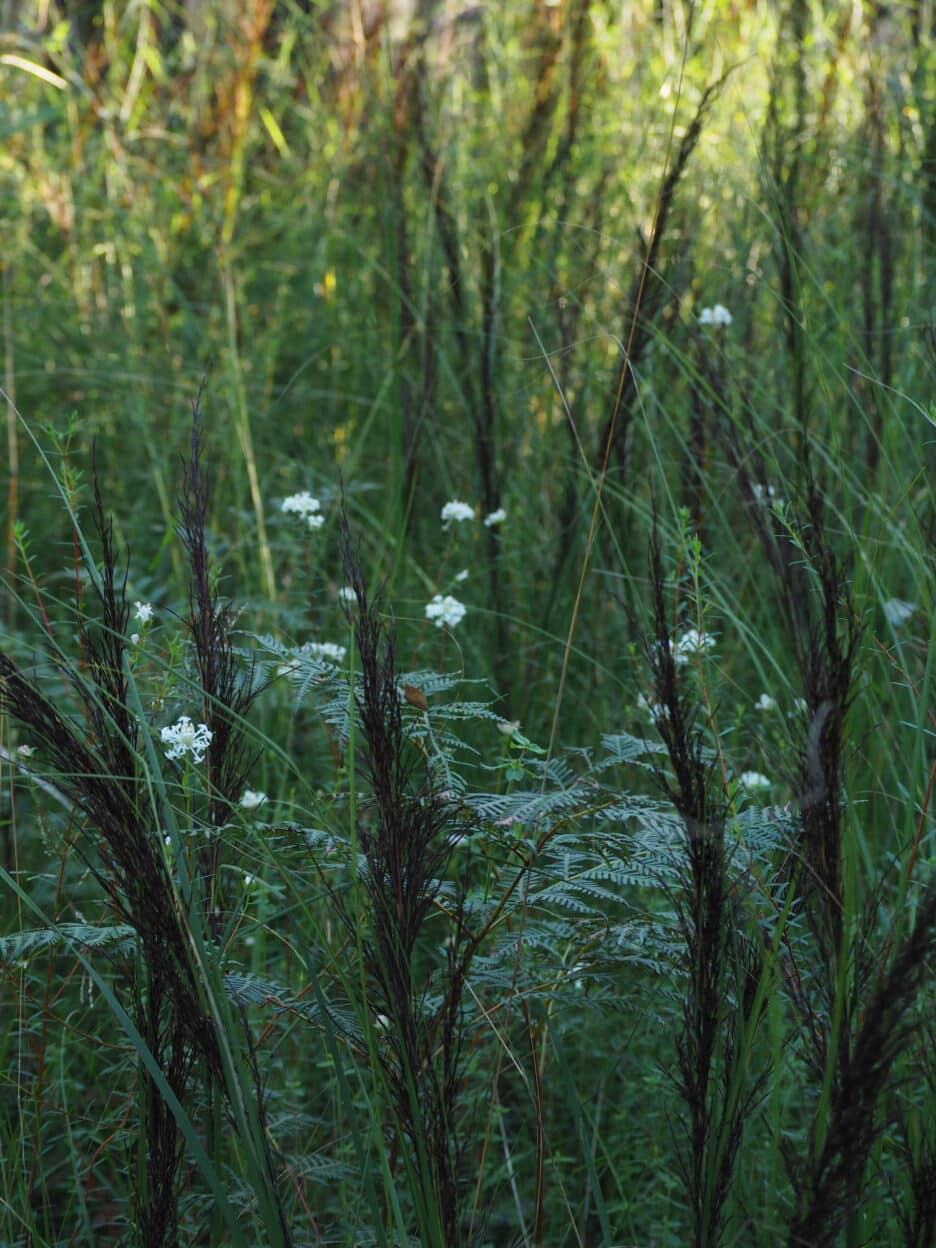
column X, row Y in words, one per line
column 648, row 293
column 824, row 636
column 415, row 334
column 832, row 1189
column 784, row 145
column 226, row 691
column 917, row 1211
column 877, row 273
column 100, row 775
column 871, row 1032
column 477, row 352
column 406, row 835
column 829, row 652
column 723, row 967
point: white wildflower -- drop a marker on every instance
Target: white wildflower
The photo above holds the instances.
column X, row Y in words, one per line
column 767, row 495
column 753, row 780
column 496, row 517
column 135, row 638
column 461, row 576
column 303, row 505
column 691, row 643
column 447, row 611
column 315, row 521
column 346, row 594
column 252, row 799
column 25, row 751
column 248, row 880
column 719, row 315
column 184, row 738
column 456, row 511
column 508, row 726
column 897, row 611
column 143, row 611
column 325, row 650
column 765, row 703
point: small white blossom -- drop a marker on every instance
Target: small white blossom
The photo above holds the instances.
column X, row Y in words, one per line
column 456, row 511
column 719, row 315
column 496, row 517
column 508, row 726
column 302, row 504
column 184, row 738
column 461, row 576
column 753, row 780
column 767, row 495
column 315, row 521
column 765, row 703
column 248, row 880
column 691, row 643
column 143, row 611
column 135, row 638
column 252, row 799
column 447, row 611
column 25, row 751
column 325, row 650
column 897, row 611
column 346, row 594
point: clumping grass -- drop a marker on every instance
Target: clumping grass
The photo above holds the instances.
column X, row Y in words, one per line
column 466, row 680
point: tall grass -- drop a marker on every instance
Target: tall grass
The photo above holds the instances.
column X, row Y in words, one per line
column 605, row 913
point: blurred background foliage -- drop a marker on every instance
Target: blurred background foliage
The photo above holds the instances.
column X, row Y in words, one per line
column 404, row 243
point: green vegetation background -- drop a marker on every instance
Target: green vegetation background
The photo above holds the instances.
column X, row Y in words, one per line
column 436, row 251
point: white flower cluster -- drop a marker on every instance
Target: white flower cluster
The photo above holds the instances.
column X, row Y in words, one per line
column 325, row 650
column 306, row 507
column 767, row 495
column 346, row 594
column 897, row 612
column 719, row 315
column 184, row 738
column 143, row 611
column 456, row 512
column 765, row 703
column 447, row 611
column 753, row 780
column 690, row 644
column 252, row 799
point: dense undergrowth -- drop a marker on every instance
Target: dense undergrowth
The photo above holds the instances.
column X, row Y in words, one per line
column 466, row 688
